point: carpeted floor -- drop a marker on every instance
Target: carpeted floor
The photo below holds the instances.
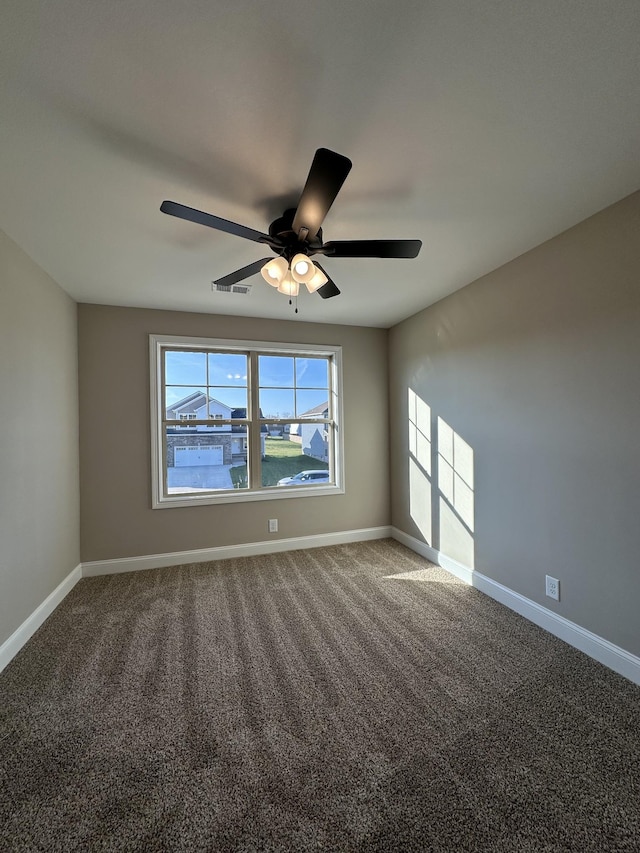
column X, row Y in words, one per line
column 352, row 698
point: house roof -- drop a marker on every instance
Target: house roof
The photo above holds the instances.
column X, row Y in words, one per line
column 192, row 398
column 186, row 401
column 317, row 410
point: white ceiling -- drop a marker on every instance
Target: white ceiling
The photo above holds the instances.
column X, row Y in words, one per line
column 481, row 127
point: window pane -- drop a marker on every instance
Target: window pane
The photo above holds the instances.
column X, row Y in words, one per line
column 276, row 403
column 227, row 402
column 185, row 368
column 295, row 456
column 204, row 462
column 313, row 403
column 275, row 371
column 227, row 369
column 183, row 400
column 312, row 373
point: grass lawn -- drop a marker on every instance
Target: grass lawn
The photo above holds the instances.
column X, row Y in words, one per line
column 283, row 458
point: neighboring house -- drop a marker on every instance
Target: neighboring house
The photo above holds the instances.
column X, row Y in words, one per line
column 204, row 444
column 312, row 437
column 194, row 407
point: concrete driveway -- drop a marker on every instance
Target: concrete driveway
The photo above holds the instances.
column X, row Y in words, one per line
column 198, row 478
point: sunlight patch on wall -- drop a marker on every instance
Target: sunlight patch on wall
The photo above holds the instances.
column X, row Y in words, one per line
column 455, row 540
column 420, row 465
column 420, row 500
column 455, row 472
column 442, row 500
column 420, row 431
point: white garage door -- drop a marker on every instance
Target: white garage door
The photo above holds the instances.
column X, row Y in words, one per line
column 207, row 454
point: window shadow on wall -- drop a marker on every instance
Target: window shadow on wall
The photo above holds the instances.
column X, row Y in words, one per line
column 441, row 482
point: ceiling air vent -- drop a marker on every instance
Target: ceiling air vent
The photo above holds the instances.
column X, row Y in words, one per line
column 240, row 289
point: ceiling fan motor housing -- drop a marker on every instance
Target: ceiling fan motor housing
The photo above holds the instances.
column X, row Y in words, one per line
column 282, row 229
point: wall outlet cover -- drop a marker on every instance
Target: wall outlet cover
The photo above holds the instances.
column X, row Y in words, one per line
column 552, row 587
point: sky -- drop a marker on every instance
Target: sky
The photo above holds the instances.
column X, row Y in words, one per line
column 288, row 386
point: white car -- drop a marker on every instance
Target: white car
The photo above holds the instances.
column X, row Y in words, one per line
column 305, row 478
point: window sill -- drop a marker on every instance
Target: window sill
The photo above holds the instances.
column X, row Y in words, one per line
column 240, row 496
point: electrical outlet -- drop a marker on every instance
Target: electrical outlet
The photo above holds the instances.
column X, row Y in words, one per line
column 273, row 525
column 552, row 587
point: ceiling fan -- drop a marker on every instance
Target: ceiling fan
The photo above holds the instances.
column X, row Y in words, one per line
column 296, row 236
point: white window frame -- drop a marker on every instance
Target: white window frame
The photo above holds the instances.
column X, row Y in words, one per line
column 161, row 500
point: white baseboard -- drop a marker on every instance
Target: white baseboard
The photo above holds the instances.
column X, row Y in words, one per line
column 10, row 648
column 612, row 656
column 452, row 566
column 224, row 552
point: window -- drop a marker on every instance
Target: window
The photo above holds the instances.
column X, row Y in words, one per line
column 186, row 417
column 277, row 413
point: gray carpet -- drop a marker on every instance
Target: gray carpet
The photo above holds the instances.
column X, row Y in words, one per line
column 352, row 698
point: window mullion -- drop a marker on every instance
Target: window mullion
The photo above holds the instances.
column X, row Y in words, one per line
column 207, row 395
column 255, row 434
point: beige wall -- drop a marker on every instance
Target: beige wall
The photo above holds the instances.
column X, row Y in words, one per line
column 536, row 368
column 117, row 519
column 39, row 495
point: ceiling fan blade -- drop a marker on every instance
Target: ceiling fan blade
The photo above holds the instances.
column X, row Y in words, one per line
column 326, row 175
column 245, row 272
column 329, row 289
column 211, row 221
column 372, row 248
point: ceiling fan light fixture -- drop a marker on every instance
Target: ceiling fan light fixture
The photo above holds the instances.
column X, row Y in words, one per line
column 289, row 286
column 302, row 269
column 274, row 271
column 317, row 281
